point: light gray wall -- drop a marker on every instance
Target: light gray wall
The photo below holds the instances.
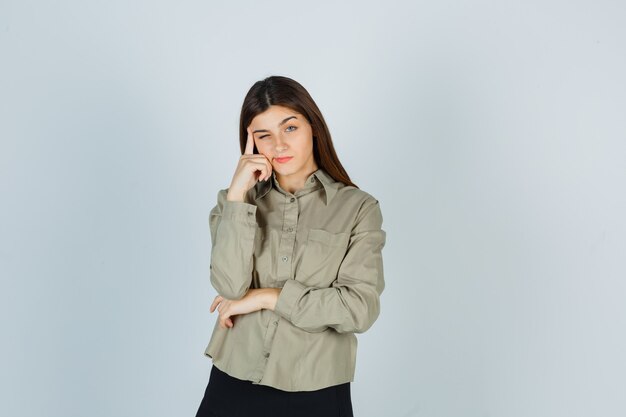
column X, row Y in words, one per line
column 491, row 132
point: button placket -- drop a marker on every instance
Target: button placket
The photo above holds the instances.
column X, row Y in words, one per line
column 269, row 339
column 288, row 238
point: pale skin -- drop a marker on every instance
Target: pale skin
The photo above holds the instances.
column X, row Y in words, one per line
column 277, row 132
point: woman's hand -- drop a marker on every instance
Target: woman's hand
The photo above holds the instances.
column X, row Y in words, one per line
column 246, row 172
column 255, row 299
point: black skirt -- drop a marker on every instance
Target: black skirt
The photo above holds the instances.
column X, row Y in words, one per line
column 226, row 396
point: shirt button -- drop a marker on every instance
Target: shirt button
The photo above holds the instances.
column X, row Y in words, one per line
column 267, row 354
column 292, row 199
column 312, row 179
column 290, row 229
column 285, row 259
column 276, row 322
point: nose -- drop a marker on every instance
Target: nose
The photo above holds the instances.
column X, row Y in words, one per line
column 280, row 144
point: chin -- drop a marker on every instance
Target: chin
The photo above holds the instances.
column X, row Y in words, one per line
column 284, row 171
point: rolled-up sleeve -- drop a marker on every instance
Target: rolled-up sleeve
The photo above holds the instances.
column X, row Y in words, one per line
column 233, row 226
column 352, row 302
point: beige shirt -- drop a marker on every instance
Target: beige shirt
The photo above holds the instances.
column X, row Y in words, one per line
column 322, row 245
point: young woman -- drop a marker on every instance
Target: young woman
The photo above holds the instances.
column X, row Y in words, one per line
column 296, row 261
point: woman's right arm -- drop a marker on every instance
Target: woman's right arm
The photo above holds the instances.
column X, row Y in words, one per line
column 233, row 226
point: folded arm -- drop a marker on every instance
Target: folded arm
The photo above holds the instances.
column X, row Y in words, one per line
column 352, row 302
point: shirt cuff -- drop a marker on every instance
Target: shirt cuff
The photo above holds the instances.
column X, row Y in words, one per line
column 238, row 210
column 289, row 295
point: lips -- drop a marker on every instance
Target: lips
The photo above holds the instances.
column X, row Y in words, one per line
column 283, row 159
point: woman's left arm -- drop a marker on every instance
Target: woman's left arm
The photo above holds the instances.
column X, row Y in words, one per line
column 352, row 303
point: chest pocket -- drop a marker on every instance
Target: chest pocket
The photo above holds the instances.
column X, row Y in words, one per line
column 322, row 257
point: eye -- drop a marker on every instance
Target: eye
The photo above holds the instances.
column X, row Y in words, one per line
column 289, row 127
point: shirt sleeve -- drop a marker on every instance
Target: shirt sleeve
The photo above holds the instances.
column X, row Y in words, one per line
column 233, row 226
column 352, row 302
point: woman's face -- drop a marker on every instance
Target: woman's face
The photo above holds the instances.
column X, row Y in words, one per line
column 281, row 132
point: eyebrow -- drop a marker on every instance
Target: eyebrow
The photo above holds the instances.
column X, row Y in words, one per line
column 280, row 124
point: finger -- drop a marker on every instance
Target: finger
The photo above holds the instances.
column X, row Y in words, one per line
column 249, row 143
column 263, row 174
column 266, row 170
column 262, row 164
column 269, row 168
column 257, row 164
column 215, row 302
column 222, row 320
column 226, row 323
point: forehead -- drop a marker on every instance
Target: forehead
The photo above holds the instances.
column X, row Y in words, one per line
column 272, row 116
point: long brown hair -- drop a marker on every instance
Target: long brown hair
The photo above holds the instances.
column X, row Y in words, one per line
column 283, row 91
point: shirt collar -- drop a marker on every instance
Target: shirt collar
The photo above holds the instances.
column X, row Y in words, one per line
column 329, row 184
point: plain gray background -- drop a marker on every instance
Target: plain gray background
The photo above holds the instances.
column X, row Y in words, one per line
column 491, row 132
